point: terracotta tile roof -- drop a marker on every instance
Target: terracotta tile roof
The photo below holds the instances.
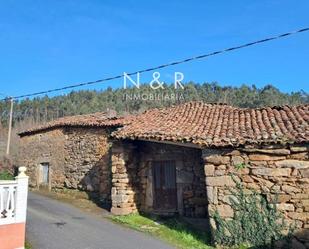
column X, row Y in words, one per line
column 220, row 125
column 98, row 119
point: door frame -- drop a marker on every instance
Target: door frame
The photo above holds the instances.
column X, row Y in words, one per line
column 154, row 206
column 41, row 184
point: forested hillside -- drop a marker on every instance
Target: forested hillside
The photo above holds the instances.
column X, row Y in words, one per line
column 30, row 112
column 45, row 108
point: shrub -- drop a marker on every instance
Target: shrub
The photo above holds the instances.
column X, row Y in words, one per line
column 256, row 222
column 6, row 175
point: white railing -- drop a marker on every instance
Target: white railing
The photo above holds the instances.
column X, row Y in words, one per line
column 13, row 199
column 7, row 201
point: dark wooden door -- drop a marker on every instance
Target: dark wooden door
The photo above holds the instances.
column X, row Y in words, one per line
column 165, row 191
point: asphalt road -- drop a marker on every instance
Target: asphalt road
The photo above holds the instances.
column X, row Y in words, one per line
column 55, row 225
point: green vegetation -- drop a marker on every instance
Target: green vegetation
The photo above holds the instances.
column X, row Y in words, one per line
column 27, row 245
column 81, row 102
column 256, row 223
column 175, row 231
column 6, row 175
column 240, row 166
column 31, row 112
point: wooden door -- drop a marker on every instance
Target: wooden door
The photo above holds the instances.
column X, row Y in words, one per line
column 44, row 173
column 165, row 191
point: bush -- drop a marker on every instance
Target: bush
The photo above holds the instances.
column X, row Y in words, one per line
column 256, row 222
column 6, row 175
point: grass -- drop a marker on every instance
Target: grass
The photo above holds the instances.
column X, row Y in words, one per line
column 173, row 230
column 27, row 245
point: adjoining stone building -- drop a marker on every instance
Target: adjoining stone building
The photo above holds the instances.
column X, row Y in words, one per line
column 70, row 152
column 179, row 159
column 158, row 178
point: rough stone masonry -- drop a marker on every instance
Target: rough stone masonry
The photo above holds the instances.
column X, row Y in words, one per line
column 132, row 180
column 281, row 173
column 79, row 158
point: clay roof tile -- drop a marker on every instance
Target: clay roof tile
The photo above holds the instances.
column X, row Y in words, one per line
column 219, row 125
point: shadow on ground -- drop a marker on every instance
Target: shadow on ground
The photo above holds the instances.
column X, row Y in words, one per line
column 175, row 230
column 96, row 199
column 189, row 226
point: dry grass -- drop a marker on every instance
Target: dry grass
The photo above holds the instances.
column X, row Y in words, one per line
column 79, row 199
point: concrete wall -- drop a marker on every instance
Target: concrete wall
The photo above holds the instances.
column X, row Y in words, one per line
column 271, row 171
column 79, row 158
column 12, row 236
column 133, row 181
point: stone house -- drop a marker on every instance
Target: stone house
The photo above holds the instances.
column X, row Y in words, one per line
column 70, row 152
column 179, row 160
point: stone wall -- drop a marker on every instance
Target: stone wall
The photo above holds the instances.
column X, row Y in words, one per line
column 125, row 182
column 40, row 148
column 271, row 171
column 79, row 158
column 132, row 177
column 190, row 181
column 87, row 157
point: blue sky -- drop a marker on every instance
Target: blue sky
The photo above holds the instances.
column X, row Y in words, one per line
column 49, row 44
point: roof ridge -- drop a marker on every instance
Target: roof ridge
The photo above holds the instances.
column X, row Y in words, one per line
column 96, row 119
column 273, row 107
column 212, row 104
column 246, row 108
column 213, row 124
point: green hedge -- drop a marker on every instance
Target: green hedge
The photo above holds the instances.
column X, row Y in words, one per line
column 6, row 175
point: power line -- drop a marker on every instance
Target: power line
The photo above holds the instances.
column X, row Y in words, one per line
column 165, row 65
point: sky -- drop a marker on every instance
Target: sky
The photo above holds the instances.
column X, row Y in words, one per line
column 51, row 44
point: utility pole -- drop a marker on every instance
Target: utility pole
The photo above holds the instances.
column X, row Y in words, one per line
column 10, row 127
